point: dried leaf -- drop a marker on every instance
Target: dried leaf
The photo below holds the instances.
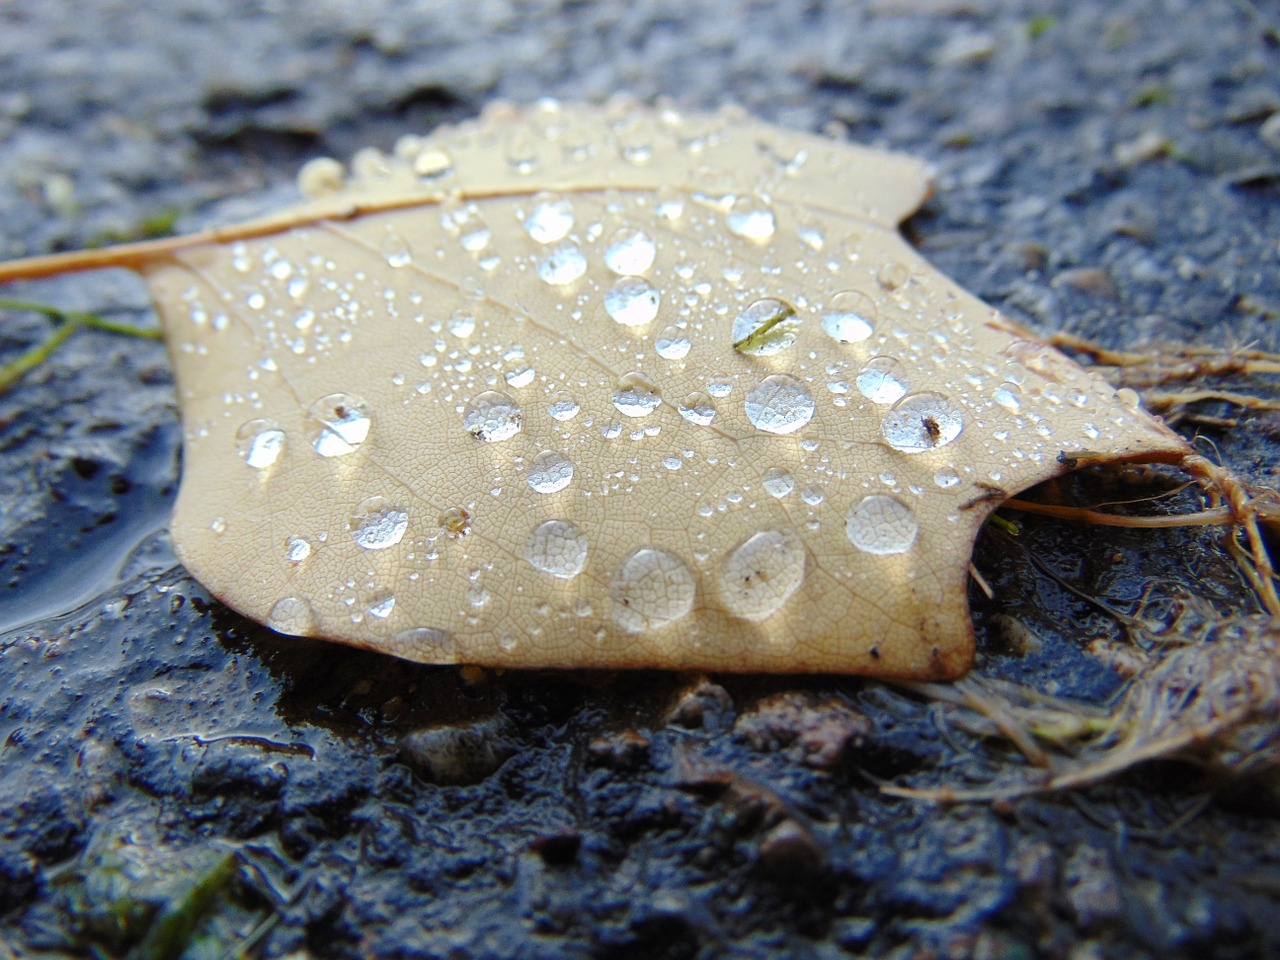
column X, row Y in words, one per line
column 623, row 388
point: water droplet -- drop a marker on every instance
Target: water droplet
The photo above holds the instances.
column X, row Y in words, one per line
column 750, row 217
column 630, row 251
column 293, row 616
column 1008, row 395
column 894, row 275
column 922, row 421
column 551, row 219
column 456, row 523
column 562, row 264
column 557, row 547
column 882, row 525
column 883, row 380
column 563, row 408
column 550, row 472
column 761, row 574
column 779, row 404
column 218, row 525
column 698, row 409
column 378, row 524
column 765, row 327
column 492, row 416
column 651, row 589
column 381, row 607
column 296, row 550
column 520, row 153
column 520, row 377
column 260, row 443
column 432, row 163
column 945, row 479
column 340, row 423
column 396, row 249
column 635, row 396
column 778, row 483
column 427, row 644
column 462, row 324
column 632, row 302
column 849, row 317
column 672, row 344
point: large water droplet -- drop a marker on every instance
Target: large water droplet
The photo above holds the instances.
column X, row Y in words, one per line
column 779, row 404
column 563, row 408
column 922, row 421
column 778, row 483
column 698, row 408
column 849, row 317
column 651, row 589
column 630, row 251
column 751, row 217
column 883, row 380
column 260, row 443
column 427, row 644
column 760, row 574
column 672, row 344
column 378, row 524
column 492, row 416
column 562, row 264
column 766, row 327
column 557, row 547
column 551, row 218
column 632, row 302
column 635, row 396
column 292, row 615
column 550, row 472
column 339, row 424
column 881, row 525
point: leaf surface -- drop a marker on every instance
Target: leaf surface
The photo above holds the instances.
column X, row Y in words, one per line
column 615, row 388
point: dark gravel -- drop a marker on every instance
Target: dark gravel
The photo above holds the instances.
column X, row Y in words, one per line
column 1108, row 167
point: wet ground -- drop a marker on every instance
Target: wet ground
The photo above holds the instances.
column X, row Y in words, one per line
column 177, row 781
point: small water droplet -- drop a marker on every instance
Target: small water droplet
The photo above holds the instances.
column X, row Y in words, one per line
column 765, row 327
column 218, row 525
column 378, row 524
column 381, row 607
column 779, row 404
column 551, row 218
column 492, row 416
column 1008, row 395
column 632, row 302
column 562, row 264
column 922, row 421
column 296, row 550
column 563, row 408
column 557, row 547
column 432, row 163
column 427, row 644
column 698, row 409
column 293, row 616
column 396, row 249
column 720, row 387
column 760, row 574
column 520, row 153
column 651, row 589
column 945, row 479
column 260, row 443
column 849, row 317
column 672, row 344
column 635, row 396
column 883, row 380
column 778, row 483
column 894, row 275
column 455, row 522
column 339, row 424
column 550, row 472
column 882, row 525
column 520, row 377
column 462, row 324
column 630, row 251
column 751, row 218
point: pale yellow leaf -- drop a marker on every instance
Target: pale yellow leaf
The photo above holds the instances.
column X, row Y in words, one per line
column 613, row 388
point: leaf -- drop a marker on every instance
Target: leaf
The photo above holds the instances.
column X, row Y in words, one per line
column 615, row 388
